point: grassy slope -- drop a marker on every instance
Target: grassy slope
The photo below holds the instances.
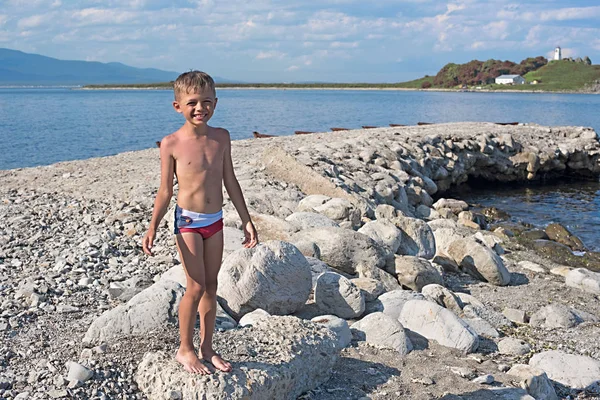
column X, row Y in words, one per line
column 557, row 76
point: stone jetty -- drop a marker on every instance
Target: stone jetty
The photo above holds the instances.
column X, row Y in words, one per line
column 370, row 282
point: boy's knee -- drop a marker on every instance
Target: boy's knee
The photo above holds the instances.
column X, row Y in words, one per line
column 195, row 290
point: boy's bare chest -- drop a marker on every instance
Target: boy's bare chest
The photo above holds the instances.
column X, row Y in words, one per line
column 199, row 157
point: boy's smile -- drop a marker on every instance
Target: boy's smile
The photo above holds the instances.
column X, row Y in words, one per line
column 197, row 108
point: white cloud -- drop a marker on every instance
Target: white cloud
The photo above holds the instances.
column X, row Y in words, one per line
column 293, row 68
column 32, row 22
column 262, row 55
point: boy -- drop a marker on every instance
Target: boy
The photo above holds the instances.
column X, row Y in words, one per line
column 200, row 155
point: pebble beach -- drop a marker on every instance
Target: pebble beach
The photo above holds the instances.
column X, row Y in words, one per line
column 360, row 249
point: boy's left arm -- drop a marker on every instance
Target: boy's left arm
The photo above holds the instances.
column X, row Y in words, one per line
column 237, row 198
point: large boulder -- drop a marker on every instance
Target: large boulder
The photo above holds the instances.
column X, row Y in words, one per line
column 388, row 280
column 415, row 272
column 391, row 303
column 341, row 211
column 383, row 232
column 560, row 234
column 270, row 227
column 577, row 372
column 370, row 288
column 584, row 279
column 343, row 249
column 273, row 276
column 384, row 331
column 307, row 220
column 337, row 295
column 479, row 261
column 298, row 356
column 153, row 308
column 437, row 323
column 555, row 316
column 417, row 238
column 455, row 205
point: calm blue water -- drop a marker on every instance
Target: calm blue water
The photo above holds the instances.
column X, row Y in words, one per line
column 575, row 204
column 43, row 126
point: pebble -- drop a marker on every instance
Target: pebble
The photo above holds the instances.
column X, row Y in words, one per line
column 516, row 316
column 503, row 367
column 78, row 372
column 484, row 380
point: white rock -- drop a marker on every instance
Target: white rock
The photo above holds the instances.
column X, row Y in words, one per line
column 442, row 296
column 384, row 331
column 273, row 276
column 515, row 315
column 149, row 310
column 555, row 316
column 531, row 266
column 455, row 205
column 415, row 272
column 482, row 327
column 484, row 380
column 310, row 202
column 78, row 372
column 437, row 323
column 383, row 232
column 479, row 261
column 343, row 249
column 307, row 220
column 371, row 288
column 417, row 238
column 391, row 303
column 337, row 295
column 584, row 279
column 253, row 317
column 535, row 381
column 577, row 372
column 300, row 357
column 338, row 325
column 513, row 346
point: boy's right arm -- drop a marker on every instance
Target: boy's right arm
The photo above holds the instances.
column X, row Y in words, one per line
column 163, row 197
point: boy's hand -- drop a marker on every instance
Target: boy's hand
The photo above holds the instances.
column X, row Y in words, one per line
column 251, row 237
column 148, row 241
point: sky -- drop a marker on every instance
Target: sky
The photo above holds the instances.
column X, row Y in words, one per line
column 301, row 41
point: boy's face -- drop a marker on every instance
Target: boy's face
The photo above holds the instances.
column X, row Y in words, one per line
column 198, row 107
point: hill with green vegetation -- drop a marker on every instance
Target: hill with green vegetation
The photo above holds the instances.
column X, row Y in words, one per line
column 563, row 75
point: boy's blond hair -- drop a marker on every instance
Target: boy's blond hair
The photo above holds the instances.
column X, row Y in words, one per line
column 192, row 82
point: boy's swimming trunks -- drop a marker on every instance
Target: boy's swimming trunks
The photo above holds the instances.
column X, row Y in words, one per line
column 205, row 225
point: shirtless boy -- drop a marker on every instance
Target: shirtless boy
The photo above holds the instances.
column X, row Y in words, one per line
column 200, row 155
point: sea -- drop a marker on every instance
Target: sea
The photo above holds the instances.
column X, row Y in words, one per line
column 41, row 126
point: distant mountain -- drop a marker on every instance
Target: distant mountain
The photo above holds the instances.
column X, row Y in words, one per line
column 18, row 68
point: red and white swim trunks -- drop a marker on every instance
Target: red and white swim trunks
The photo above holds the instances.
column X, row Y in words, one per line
column 205, row 225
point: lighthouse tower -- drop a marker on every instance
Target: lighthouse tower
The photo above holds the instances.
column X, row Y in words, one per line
column 557, row 54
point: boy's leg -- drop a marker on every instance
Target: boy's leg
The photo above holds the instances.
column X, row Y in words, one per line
column 190, row 246
column 213, row 253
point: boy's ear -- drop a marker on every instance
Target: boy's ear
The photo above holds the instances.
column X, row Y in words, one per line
column 176, row 106
column 216, row 100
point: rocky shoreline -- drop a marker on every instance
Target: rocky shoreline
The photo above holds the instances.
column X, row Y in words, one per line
column 357, row 237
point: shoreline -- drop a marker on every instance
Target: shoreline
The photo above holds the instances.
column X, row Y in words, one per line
column 374, row 88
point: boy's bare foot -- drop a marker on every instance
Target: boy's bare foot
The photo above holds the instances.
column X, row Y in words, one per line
column 215, row 359
column 191, row 362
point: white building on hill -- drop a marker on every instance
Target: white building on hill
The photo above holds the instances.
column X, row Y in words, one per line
column 510, row 80
column 557, row 54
